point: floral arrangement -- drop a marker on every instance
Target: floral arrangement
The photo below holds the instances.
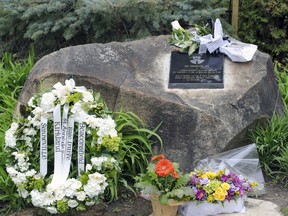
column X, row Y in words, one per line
column 217, row 187
column 187, row 40
column 22, row 142
column 164, row 179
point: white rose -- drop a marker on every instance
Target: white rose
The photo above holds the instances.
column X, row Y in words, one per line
column 62, row 91
column 52, row 210
column 36, row 198
column 87, row 96
column 10, row 140
column 92, row 189
column 74, row 183
column 70, row 84
column 14, row 126
column 23, row 166
column 11, row 171
column 88, row 167
column 72, row 203
column 47, row 102
column 90, row 203
column 30, row 102
column 69, row 192
column 81, row 195
column 48, row 197
column 22, row 192
column 30, row 172
column 77, row 107
column 92, row 121
column 37, row 111
column 59, row 193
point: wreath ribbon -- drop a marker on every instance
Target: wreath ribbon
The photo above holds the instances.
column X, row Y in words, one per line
column 43, row 146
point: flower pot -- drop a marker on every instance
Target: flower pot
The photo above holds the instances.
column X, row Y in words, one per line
column 159, row 209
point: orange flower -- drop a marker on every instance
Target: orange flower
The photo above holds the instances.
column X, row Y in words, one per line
column 164, row 167
column 157, row 157
column 175, row 174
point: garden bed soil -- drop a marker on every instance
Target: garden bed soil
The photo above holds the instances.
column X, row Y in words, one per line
column 131, row 205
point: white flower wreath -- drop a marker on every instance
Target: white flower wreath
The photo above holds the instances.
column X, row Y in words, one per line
column 31, row 164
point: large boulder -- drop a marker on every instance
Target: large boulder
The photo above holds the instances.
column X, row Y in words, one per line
column 134, row 75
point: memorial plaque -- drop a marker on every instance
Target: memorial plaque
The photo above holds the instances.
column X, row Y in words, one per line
column 196, row 71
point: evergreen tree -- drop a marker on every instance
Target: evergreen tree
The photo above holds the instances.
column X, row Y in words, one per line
column 52, row 24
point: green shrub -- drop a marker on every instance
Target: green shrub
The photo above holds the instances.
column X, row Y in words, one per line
column 265, row 23
column 51, row 24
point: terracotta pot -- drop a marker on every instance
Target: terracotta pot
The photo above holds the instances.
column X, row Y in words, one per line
column 159, row 209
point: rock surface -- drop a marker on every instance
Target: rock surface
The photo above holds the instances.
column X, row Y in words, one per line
column 134, row 75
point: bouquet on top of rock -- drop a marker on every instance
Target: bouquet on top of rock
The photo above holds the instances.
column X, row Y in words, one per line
column 164, row 180
column 210, row 40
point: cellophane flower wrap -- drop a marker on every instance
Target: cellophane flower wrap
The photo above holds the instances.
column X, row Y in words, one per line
column 164, row 179
column 216, row 192
column 220, row 186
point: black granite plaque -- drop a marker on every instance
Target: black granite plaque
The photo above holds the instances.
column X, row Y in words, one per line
column 196, row 71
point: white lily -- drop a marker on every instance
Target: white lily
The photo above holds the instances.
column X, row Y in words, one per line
column 175, row 25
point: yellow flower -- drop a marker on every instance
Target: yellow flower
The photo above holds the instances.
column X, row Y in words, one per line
column 220, row 172
column 253, row 184
column 219, row 190
column 219, row 197
column 209, row 175
column 210, row 198
column 220, row 194
column 204, row 176
column 225, row 186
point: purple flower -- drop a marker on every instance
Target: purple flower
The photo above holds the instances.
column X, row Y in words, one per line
column 241, row 191
column 194, row 180
column 204, row 181
column 224, row 178
column 228, row 197
column 200, row 194
column 247, row 186
column 233, row 188
column 236, row 180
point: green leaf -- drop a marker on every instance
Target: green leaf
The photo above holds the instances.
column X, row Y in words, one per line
column 192, row 48
column 163, row 199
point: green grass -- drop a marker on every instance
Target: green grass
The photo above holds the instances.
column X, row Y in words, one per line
column 272, row 138
column 12, row 77
column 284, row 211
column 282, row 78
